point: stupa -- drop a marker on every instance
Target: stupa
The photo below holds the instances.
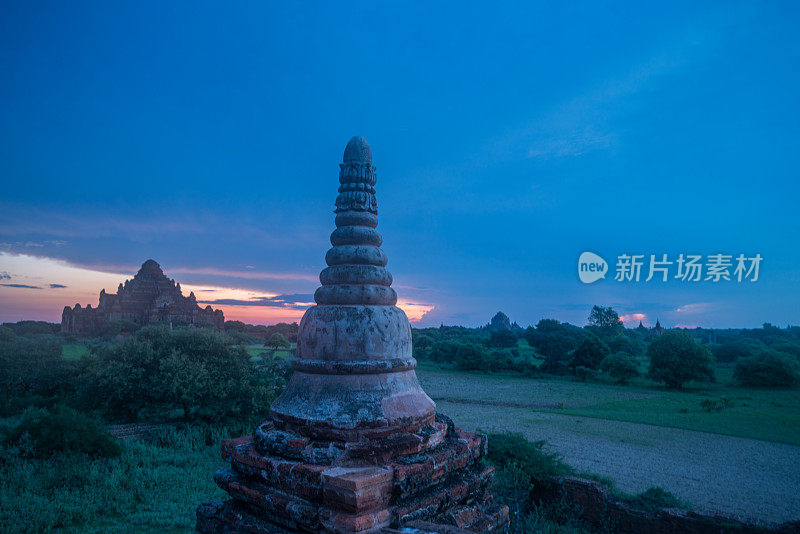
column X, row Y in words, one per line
column 354, row 444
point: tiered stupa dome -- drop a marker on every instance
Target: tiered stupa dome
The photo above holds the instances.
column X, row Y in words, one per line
column 354, row 373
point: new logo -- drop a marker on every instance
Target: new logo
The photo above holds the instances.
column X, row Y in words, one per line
column 591, row 267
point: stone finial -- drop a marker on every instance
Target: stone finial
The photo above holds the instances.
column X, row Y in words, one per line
column 357, row 189
column 357, row 151
column 356, row 272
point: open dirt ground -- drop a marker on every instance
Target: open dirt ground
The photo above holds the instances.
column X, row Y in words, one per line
column 739, row 477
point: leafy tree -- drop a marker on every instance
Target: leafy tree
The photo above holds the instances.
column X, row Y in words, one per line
column 422, row 341
column 606, row 319
column 676, row 357
column 589, row 353
column 625, row 343
column 470, row 357
column 771, row 368
column 554, row 341
column 235, row 326
column 113, row 328
column 730, row 351
column 157, row 370
column 788, row 348
column 6, row 334
column 444, row 351
column 502, row 339
column 289, row 330
column 32, row 366
column 620, row 366
column 277, row 341
column 34, row 328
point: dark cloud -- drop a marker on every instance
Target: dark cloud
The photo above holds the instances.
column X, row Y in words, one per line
column 57, row 286
column 5, row 276
column 21, row 286
column 295, row 301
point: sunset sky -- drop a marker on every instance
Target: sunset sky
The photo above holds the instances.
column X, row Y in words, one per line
column 507, row 142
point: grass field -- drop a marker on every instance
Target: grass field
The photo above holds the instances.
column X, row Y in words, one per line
column 771, row 415
column 154, row 486
column 255, row 351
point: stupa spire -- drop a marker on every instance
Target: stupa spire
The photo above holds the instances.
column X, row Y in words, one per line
column 354, row 374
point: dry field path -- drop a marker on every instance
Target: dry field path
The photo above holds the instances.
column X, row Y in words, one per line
column 739, row 477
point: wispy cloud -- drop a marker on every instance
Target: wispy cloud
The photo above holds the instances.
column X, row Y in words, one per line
column 298, row 301
column 5, row 276
column 588, row 122
column 57, row 286
column 249, row 274
column 21, row 286
column 696, row 307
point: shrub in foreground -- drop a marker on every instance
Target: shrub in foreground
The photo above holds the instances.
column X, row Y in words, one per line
column 655, row 498
column 529, row 456
column 41, row 433
column 771, row 368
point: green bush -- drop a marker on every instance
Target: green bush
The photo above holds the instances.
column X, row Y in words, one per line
column 716, row 405
column 62, row 429
column 654, row 499
column 620, row 366
column 676, row 357
column 771, row 368
column 529, row 456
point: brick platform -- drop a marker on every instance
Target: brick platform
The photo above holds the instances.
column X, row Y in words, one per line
column 281, row 483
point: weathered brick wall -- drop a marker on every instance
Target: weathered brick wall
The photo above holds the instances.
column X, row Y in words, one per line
column 596, row 505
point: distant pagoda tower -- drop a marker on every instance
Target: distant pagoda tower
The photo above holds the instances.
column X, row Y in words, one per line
column 657, row 329
column 354, row 444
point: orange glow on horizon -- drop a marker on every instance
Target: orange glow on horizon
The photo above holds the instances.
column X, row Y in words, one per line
column 82, row 286
column 633, row 318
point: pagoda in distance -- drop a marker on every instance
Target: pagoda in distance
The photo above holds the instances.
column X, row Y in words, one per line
column 354, row 444
column 146, row 298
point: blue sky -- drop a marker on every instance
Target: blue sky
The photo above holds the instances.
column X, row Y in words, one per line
column 507, row 139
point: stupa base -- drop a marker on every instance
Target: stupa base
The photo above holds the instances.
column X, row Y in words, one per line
column 280, row 482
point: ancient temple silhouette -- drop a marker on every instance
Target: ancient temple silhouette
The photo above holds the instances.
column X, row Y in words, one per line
column 148, row 297
column 354, row 444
